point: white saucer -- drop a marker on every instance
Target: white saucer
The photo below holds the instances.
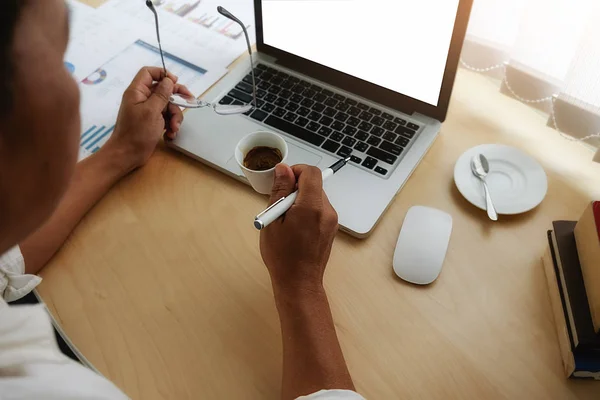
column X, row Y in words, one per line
column 516, row 181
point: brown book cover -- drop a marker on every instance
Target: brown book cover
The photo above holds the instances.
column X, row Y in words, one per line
column 587, row 237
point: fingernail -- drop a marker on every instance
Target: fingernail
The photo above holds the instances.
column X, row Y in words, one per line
column 177, row 126
column 279, row 170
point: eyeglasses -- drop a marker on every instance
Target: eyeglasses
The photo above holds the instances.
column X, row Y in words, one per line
column 192, row 102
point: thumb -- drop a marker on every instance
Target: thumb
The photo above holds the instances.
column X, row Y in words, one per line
column 160, row 96
column 284, row 183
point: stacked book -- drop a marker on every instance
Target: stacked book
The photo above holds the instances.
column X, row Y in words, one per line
column 572, row 266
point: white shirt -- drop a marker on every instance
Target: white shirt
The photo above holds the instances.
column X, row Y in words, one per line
column 31, row 364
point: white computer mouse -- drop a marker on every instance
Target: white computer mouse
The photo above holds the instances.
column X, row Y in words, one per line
column 422, row 245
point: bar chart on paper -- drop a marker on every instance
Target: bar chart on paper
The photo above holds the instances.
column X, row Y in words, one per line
column 178, row 7
column 95, row 136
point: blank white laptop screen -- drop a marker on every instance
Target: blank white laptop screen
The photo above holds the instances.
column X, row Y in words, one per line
column 401, row 45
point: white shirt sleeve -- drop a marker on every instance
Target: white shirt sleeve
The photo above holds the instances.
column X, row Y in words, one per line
column 32, row 366
column 14, row 283
column 333, row 395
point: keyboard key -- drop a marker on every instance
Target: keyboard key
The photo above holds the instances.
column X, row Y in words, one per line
column 365, row 116
column 413, row 126
column 387, row 116
column 361, row 146
column 261, row 67
column 362, row 135
column 260, row 93
column 369, row 162
column 365, row 126
column 344, row 151
column 259, row 103
column 244, row 87
column 331, row 146
column 280, row 112
column 307, row 103
column 292, row 106
column 259, row 115
column 378, row 121
column 264, row 85
column 331, row 102
column 374, row 140
column 338, row 137
column 340, row 116
column 391, row 148
column 325, row 120
column 276, row 81
column 374, row 111
column 377, row 131
column 330, row 112
column 313, row 126
column 287, row 84
column 390, row 136
column 241, row 96
column 267, row 107
column 304, row 84
column 390, row 126
column 280, row 102
column 402, row 141
column 285, row 94
column 339, row 97
column 248, row 112
column 320, row 97
column 403, row 130
column 266, row 76
column 282, row 75
column 226, row 100
column 381, row 155
column 351, row 102
column 290, row 117
column 314, row 116
column 355, row 159
column 296, row 131
column 337, row 125
column 342, row 107
column 354, row 111
column 237, row 103
column 316, row 88
column 327, row 92
column 400, row 121
column 272, row 71
column 308, row 93
column 293, row 79
column 353, row 121
column 298, row 89
column 349, row 141
column 301, row 121
column 318, row 107
column 270, row 98
column 349, row 130
column 380, row 170
column 303, row 111
column 275, row 89
column 363, row 106
column 325, row 131
column 296, row 98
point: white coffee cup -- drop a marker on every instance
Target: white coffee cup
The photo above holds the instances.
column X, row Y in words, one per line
column 261, row 181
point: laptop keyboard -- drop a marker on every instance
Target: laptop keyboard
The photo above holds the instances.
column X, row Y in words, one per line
column 375, row 139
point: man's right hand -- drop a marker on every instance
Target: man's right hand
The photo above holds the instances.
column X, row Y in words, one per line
column 297, row 246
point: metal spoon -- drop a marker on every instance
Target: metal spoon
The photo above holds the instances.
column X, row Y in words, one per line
column 480, row 168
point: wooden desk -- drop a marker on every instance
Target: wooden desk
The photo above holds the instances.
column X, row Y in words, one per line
column 163, row 289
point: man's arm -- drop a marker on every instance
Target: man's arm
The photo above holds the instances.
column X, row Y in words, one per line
column 93, row 177
column 296, row 249
column 143, row 117
column 312, row 357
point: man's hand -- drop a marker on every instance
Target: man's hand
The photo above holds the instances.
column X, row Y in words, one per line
column 296, row 247
column 144, row 115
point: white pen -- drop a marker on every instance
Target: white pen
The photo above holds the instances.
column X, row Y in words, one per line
column 280, row 207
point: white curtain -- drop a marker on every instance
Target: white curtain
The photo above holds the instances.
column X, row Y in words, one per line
column 547, row 53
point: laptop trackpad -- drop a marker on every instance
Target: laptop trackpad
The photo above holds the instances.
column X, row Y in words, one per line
column 296, row 155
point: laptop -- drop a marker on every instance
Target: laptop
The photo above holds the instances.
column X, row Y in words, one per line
column 366, row 79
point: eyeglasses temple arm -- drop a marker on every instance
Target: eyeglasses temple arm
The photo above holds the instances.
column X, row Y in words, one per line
column 229, row 15
column 150, row 5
